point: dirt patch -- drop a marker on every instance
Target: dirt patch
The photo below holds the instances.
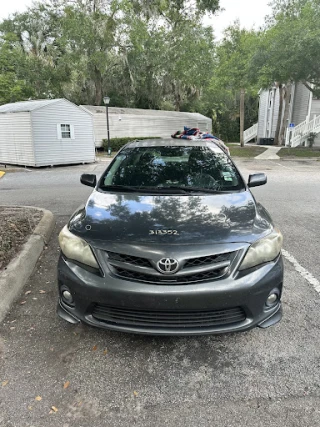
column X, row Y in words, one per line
column 16, row 225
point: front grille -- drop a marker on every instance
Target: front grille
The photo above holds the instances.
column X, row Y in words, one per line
column 198, row 269
column 168, row 319
column 207, row 260
column 172, row 279
column 129, row 259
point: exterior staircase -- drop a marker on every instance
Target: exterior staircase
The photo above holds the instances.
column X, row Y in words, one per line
column 250, row 133
column 301, row 132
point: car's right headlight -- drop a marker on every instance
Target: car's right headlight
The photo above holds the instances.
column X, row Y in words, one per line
column 76, row 248
column 264, row 250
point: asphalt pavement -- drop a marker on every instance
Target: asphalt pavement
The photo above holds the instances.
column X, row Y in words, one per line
column 56, row 374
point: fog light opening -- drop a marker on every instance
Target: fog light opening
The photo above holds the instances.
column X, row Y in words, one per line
column 67, row 296
column 272, row 299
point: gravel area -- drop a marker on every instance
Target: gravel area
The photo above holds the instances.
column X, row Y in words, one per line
column 16, row 225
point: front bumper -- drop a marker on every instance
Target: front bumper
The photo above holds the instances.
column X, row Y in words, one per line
column 149, row 308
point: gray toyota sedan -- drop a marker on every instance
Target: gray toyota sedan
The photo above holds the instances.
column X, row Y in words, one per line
column 171, row 242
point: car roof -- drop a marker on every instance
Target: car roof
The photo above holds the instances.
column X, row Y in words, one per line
column 165, row 142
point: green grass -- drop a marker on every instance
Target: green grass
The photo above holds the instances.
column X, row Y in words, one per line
column 235, row 151
column 253, row 151
column 247, row 151
column 299, row 152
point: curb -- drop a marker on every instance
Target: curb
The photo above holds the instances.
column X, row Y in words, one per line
column 2, row 174
column 300, row 159
column 104, row 160
column 15, row 276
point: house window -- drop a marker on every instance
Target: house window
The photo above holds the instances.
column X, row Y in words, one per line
column 66, row 131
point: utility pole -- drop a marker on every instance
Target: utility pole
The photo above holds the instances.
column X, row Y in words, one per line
column 242, row 93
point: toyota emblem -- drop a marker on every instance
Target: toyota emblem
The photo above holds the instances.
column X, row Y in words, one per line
column 168, row 265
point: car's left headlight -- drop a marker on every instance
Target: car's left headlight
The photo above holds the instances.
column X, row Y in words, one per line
column 76, row 248
column 264, row 250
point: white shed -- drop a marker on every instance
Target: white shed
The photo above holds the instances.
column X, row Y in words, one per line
column 45, row 132
column 134, row 122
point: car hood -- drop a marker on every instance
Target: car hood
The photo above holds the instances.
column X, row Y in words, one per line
column 201, row 219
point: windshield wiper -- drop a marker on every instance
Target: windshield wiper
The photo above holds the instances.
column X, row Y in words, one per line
column 173, row 187
column 161, row 190
column 133, row 189
column 120, row 188
column 190, row 189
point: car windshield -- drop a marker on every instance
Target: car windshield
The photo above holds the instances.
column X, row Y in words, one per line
column 172, row 168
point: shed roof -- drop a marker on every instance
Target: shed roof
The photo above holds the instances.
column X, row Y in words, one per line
column 141, row 112
column 25, row 106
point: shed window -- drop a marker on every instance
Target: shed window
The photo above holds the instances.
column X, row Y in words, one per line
column 65, row 131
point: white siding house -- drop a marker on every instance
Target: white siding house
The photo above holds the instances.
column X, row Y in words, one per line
column 263, row 108
column 303, row 107
column 275, row 112
column 300, row 106
column 45, row 132
column 268, row 113
column 134, row 122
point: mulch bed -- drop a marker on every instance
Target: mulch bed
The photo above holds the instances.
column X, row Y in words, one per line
column 16, row 225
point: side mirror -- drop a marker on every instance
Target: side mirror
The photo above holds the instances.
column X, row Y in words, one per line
column 88, row 179
column 257, row 179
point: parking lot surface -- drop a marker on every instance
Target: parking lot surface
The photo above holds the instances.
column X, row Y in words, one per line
column 56, row 374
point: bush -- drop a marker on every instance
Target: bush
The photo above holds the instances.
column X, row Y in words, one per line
column 311, row 138
column 117, row 143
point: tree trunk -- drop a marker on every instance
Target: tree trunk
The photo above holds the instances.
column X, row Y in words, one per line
column 242, row 94
column 287, row 95
column 97, row 86
column 276, row 137
column 177, row 96
column 177, row 102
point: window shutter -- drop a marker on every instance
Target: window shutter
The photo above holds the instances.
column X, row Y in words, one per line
column 72, row 132
column 59, row 136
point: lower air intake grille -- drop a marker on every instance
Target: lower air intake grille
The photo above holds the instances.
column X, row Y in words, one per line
column 168, row 319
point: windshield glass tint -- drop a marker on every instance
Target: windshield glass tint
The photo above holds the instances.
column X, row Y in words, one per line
column 184, row 167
